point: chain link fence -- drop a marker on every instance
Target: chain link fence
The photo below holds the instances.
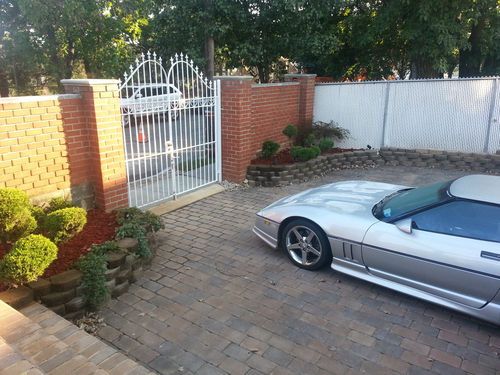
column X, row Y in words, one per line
column 441, row 114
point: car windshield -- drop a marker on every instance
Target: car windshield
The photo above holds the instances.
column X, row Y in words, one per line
column 155, row 91
column 406, row 201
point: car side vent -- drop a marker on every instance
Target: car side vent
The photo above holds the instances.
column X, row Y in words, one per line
column 351, row 252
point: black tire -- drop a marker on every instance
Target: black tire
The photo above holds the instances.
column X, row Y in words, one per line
column 312, row 250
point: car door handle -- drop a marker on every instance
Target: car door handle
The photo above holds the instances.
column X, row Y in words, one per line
column 492, row 256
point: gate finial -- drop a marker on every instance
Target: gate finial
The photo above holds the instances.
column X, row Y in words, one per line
column 176, row 56
column 142, row 56
column 149, row 55
column 154, row 55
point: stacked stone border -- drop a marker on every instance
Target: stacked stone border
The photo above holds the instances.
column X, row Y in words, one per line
column 486, row 163
column 284, row 174
column 63, row 293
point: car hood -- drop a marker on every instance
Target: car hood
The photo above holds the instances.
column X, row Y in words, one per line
column 341, row 209
column 342, row 197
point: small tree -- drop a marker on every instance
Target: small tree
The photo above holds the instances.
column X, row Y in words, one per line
column 269, row 149
column 291, row 132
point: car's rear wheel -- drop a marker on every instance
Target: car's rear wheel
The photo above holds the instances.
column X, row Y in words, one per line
column 306, row 244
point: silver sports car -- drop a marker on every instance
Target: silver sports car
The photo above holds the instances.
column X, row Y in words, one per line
column 440, row 242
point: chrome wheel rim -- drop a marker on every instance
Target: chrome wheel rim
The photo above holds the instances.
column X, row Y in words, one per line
column 303, row 245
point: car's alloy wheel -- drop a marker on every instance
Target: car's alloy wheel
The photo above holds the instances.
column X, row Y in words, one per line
column 306, row 245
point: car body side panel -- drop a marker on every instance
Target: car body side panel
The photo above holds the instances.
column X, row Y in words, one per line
column 490, row 312
column 448, row 266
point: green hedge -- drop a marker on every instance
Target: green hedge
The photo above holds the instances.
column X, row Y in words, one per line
column 28, row 259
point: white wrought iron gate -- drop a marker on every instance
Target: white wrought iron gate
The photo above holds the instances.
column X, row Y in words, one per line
column 171, row 129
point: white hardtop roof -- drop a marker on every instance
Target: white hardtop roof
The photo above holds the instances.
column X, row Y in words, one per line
column 477, row 187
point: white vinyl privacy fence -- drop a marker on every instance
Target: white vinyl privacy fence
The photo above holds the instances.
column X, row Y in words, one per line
column 442, row 114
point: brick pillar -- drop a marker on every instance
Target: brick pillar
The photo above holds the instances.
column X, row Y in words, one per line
column 101, row 101
column 306, row 97
column 236, row 126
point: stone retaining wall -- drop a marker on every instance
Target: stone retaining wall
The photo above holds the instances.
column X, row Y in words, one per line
column 277, row 175
column 441, row 159
column 63, row 293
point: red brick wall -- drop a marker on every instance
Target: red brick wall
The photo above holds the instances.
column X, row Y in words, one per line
column 66, row 145
column 274, row 106
column 43, row 143
column 252, row 114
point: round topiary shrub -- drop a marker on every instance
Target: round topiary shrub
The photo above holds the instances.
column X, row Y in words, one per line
column 58, row 203
column 269, row 149
column 16, row 219
column 63, row 224
column 325, row 144
column 28, row 259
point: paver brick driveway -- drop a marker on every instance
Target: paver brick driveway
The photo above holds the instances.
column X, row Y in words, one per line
column 217, row 300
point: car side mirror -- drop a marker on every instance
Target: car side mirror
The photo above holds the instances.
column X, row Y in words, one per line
column 405, row 225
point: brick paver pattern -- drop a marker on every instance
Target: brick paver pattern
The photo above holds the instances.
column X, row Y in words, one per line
column 217, row 300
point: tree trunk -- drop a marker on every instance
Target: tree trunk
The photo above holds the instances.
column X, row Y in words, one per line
column 263, row 73
column 210, row 57
column 470, row 59
column 209, row 42
column 4, row 84
column 421, row 68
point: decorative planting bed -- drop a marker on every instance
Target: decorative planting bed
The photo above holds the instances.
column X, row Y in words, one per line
column 283, row 174
column 69, row 259
column 63, row 293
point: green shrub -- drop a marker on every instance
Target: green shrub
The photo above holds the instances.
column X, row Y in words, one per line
column 16, row 219
column 63, row 224
column 93, row 267
column 28, row 259
column 315, row 151
column 137, row 231
column 330, row 130
column 39, row 214
column 58, row 203
column 149, row 221
column 291, row 131
column 269, row 149
column 300, row 153
column 310, row 140
column 325, row 144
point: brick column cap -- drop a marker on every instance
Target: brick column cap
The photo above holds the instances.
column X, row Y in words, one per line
column 89, row 82
column 235, row 78
column 27, row 99
column 299, row 75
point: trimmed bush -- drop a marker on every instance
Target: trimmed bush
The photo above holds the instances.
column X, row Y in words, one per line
column 28, row 259
column 310, row 140
column 16, row 219
column 304, row 153
column 269, row 149
column 63, row 224
column 290, row 131
column 325, row 144
column 58, row 203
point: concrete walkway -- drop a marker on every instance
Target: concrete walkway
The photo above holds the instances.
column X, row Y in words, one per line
column 217, row 300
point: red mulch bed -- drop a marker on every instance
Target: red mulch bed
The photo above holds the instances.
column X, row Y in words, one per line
column 100, row 228
column 284, row 156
